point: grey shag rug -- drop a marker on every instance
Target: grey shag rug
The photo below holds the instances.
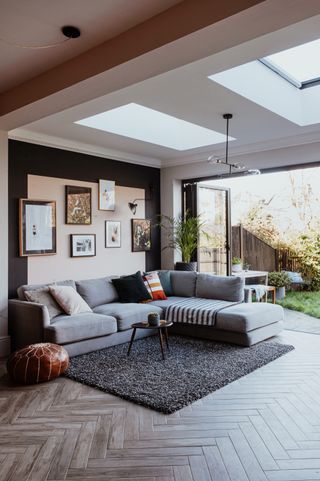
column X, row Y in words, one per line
column 192, row 369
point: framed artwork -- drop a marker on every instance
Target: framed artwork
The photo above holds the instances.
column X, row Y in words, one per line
column 141, row 235
column 83, row 245
column 112, row 233
column 78, row 205
column 106, row 194
column 37, row 227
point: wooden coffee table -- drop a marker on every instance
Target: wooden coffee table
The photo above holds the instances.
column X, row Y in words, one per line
column 162, row 332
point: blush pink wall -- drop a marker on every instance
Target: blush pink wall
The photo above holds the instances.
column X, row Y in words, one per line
column 107, row 261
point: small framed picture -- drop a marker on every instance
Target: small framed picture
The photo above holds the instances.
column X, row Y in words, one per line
column 78, row 205
column 141, row 235
column 83, row 245
column 37, row 227
column 112, row 233
column 107, row 194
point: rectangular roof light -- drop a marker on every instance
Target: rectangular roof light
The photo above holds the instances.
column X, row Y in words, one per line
column 299, row 65
column 142, row 123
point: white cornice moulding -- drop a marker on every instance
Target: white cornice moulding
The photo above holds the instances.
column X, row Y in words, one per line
column 273, row 144
column 88, row 149
column 57, row 142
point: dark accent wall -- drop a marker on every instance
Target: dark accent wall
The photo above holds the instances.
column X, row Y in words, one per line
column 25, row 158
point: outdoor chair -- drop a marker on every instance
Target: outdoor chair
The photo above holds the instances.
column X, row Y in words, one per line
column 297, row 283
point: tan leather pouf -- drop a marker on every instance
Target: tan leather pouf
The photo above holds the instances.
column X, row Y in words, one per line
column 37, row 363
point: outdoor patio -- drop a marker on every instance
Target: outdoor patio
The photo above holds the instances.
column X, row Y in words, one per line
column 298, row 321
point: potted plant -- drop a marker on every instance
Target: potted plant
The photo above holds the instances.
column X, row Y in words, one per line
column 236, row 264
column 183, row 234
column 280, row 280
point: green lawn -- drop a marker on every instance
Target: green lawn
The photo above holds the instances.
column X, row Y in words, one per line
column 304, row 301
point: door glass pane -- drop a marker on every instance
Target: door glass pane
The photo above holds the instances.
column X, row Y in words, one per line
column 213, row 252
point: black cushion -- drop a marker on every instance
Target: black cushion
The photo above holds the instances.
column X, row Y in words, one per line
column 165, row 279
column 131, row 288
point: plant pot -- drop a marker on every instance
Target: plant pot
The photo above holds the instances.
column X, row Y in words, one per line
column 186, row 266
column 280, row 293
column 236, row 267
column 154, row 319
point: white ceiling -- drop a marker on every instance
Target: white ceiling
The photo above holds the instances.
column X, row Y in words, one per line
column 38, row 22
column 187, row 94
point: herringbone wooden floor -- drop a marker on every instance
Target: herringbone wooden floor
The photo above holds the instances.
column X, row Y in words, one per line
column 263, row 427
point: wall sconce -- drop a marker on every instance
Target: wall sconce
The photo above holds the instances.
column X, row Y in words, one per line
column 134, row 204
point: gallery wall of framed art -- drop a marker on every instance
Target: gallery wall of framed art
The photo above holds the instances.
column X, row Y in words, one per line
column 76, row 257
column 41, row 162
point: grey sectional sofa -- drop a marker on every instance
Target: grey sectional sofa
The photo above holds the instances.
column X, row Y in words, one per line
column 110, row 322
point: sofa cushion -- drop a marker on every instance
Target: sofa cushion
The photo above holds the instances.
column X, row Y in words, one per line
column 32, row 287
column 97, row 291
column 155, row 286
column 128, row 313
column 183, row 283
column 70, row 301
column 247, row 317
column 165, row 279
column 224, row 288
column 43, row 296
column 131, row 288
column 65, row 329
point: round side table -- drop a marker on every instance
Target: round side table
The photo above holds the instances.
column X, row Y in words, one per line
column 162, row 333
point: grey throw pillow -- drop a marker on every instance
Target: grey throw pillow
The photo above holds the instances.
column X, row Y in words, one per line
column 70, row 301
column 43, row 296
column 225, row 288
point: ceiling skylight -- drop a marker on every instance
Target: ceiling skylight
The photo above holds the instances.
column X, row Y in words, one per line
column 299, row 65
column 141, row 123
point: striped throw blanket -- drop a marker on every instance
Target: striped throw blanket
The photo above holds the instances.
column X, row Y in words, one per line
column 196, row 311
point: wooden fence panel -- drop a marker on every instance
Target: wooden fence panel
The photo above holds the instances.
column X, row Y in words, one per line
column 253, row 251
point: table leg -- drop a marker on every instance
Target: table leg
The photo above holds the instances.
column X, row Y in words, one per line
column 131, row 341
column 274, row 296
column 166, row 337
column 161, row 342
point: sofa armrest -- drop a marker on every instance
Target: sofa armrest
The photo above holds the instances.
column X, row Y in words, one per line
column 27, row 321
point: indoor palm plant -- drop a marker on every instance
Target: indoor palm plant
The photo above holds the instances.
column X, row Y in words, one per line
column 280, row 280
column 183, row 233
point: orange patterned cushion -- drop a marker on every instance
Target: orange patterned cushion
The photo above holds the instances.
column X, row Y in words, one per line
column 147, row 287
column 155, row 286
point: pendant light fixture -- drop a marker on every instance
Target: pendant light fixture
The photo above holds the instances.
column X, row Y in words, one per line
column 68, row 31
column 233, row 167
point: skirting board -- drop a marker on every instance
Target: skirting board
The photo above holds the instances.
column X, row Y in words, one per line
column 4, row 346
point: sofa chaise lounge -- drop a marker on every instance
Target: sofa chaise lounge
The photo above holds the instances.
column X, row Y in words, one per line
column 110, row 321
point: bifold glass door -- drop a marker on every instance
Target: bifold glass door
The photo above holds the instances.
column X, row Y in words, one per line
column 213, row 205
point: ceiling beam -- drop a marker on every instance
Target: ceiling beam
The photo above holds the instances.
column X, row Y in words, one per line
column 178, row 21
